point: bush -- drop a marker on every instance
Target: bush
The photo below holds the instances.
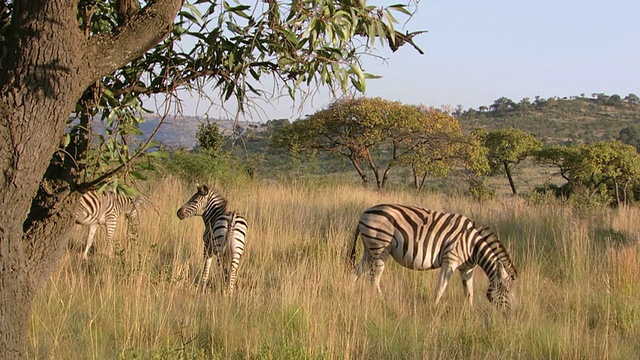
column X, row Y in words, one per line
column 480, row 191
column 200, row 167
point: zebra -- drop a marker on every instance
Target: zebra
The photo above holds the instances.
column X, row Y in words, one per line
column 423, row 239
column 97, row 209
column 224, row 234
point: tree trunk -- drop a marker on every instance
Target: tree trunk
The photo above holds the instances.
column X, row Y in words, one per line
column 48, row 65
column 376, row 172
column 511, row 183
column 356, row 164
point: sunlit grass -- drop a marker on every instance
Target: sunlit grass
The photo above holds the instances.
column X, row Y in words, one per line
column 576, row 292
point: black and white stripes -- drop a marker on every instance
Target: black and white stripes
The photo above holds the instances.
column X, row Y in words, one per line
column 423, row 239
column 102, row 209
column 224, row 234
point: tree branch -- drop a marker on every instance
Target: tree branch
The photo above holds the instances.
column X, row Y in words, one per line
column 141, row 32
column 141, row 149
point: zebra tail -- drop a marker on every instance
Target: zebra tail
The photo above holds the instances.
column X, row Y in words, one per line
column 228, row 241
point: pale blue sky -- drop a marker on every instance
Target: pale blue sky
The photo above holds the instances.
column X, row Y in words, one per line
column 477, row 51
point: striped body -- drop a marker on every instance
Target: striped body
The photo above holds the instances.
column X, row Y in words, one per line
column 423, row 239
column 102, row 209
column 227, row 245
column 224, row 234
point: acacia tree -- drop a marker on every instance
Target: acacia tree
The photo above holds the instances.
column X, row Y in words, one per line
column 379, row 135
column 442, row 148
column 88, row 58
column 601, row 167
column 507, row 148
column 350, row 127
column 616, row 164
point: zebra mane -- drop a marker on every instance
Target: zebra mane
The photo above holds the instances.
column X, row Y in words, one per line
column 491, row 239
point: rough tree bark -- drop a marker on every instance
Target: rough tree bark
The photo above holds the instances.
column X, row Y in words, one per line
column 48, row 66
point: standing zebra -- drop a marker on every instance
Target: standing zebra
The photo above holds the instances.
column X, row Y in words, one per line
column 423, row 239
column 102, row 209
column 224, row 234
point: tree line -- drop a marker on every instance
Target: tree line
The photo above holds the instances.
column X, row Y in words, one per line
column 378, row 137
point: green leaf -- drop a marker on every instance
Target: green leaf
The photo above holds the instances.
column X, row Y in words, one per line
column 194, row 12
column 400, row 8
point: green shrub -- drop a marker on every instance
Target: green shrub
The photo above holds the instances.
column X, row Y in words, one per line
column 480, row 191
column 200, row 166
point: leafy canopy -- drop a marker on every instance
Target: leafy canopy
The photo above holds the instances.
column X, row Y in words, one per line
column 381, row 135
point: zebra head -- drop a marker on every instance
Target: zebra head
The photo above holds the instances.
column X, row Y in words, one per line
column 500, row 287
column 205, row 200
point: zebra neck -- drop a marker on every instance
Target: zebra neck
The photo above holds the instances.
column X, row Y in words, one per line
column 486, row 256
column 215, row 207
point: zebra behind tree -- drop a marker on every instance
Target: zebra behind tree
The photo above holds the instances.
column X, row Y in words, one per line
column 423, row 239
column 97, row 209
column 224, row 234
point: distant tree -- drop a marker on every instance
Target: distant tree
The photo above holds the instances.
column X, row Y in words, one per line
column 376, row 134
column 566, row 158
column 630, row 135
column 539, row 102
column 632, row 99
column 599, row 167
column 600, row 98
column 525, row 104
column 614, row 100
column 502, row 104
column 349, row 127
column 209, row 138
column 441, row 147
column 507, row 148
column 458, row 111
column 612, row 163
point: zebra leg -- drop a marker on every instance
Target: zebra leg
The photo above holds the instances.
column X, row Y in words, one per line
column 92, row 233
column 231, row 279
column 134, row 224
column 233, row 267
column 110, row 222
column 377, row 268
column 205, row 273
column 208, row 258
column 445, row 275
column 467, row 284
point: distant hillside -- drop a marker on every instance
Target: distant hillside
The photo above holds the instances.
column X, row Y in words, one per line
column 180, row 131
column 559, row 120
column 572, row 120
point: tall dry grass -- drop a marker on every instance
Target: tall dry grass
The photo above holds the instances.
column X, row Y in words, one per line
column 577, row 291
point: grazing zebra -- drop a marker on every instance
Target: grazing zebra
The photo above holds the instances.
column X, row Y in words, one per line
column 102, row 209
column 224, row 234
column 423, row 239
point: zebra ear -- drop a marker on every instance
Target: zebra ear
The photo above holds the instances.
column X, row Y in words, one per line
column 203, row 190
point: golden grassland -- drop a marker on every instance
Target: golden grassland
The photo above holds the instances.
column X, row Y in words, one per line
column 576, row 294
